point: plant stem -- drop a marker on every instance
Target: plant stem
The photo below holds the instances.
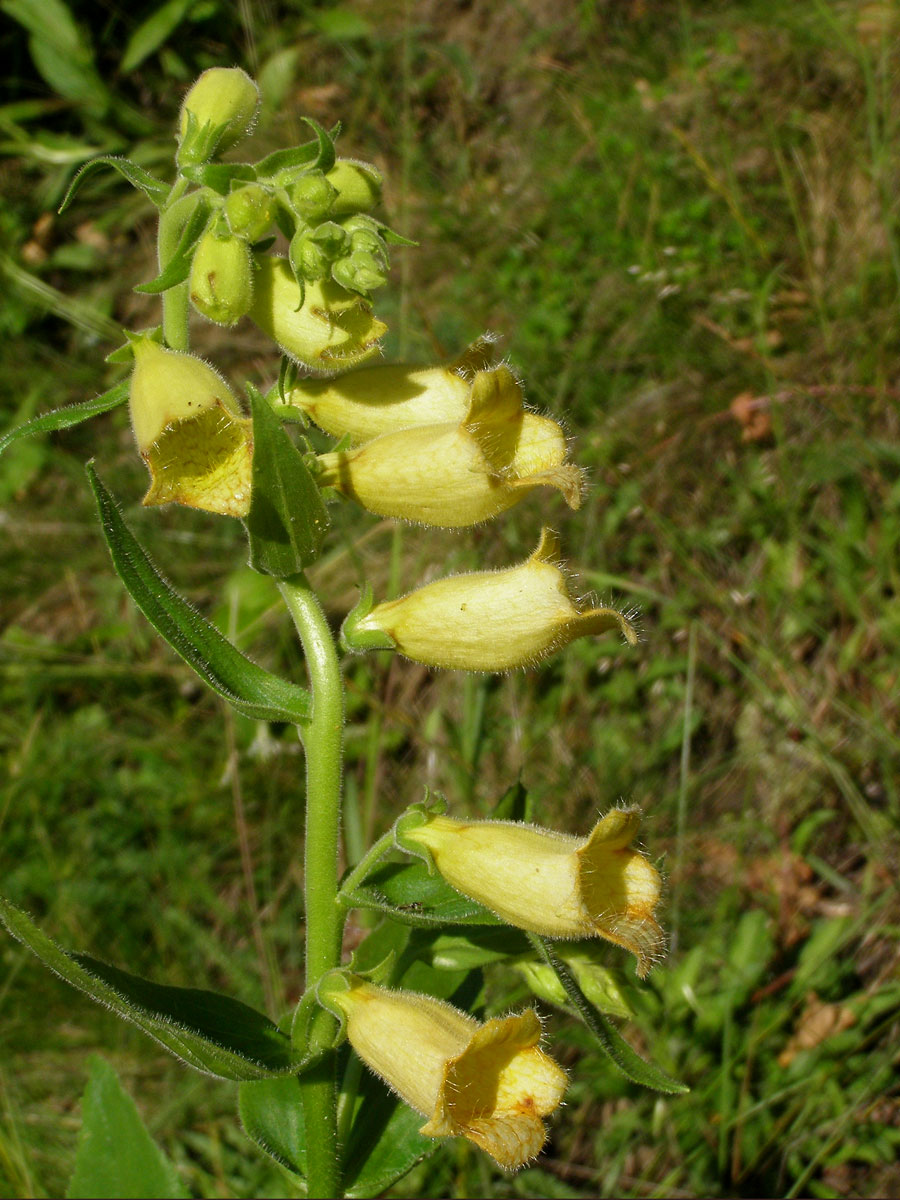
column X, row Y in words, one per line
column 323, row 742
column 175, row 301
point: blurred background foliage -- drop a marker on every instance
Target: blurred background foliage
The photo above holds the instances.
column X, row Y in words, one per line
column 682, row 218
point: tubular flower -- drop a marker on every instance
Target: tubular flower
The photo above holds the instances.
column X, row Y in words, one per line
column 190, row 431
column 551, row 883
column 459, row 474
column 217, row 112
column 490, row 1083
column 329, row 330
column 489, row 620
column 370, row 401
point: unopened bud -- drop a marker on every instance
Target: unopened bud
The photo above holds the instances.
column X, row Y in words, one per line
column 217, row 112
column 249, row 211
column 311, row 196
column 358, row 186
column 221, row 280
column 359, row 272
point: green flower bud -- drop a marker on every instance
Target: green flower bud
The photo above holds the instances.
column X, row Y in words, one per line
column 311, row 196
column 332, row 329
column 371, row 242
column 190, row 431
column 217, row 112
column 358, row 186
column 221, row 280
column 249, row 211
column 359, row 272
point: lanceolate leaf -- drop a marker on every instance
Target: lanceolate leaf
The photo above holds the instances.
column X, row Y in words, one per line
column 325, row 156
column 116, row 1155
column 179, row 265
column 154, row 189
column 287, row 519
column 251, row 690
column 408, row 893
column 72, row 414
column 629, row 1062
column 271, row 1113
column 216, row 1034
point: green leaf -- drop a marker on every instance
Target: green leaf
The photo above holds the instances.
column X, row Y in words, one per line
column 219, row 176
column 287, row 519
column 324, row 159
column 271, row 1113
column 251, row 690
column 465, row 951
column 152, row 33
column 154, row 189
column 72, row 414
column 178, row 267
column 216, row 1034
column 281, row 160
column 408, row 893
column 116, row 1156
column 629, row 1062
column 384, row 1140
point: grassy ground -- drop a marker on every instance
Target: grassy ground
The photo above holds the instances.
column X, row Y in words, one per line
column 682, row 219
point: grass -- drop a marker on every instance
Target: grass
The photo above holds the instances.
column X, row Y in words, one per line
column 681, row 217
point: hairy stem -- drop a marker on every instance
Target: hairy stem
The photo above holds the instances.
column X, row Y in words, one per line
column 175, row 302
column 323, row 742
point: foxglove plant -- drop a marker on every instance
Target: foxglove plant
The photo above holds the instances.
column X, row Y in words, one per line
column 448, row 445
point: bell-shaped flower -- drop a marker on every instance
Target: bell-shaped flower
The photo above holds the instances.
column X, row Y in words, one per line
column 458, row 474
column 326, row 327
column 490, row 1083
column 552, row 883
column 370, row 401
column 486, row 620
column 190, row 431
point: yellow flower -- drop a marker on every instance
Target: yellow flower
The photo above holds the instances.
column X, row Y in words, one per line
column 551, row 883
column 490, row 1083
column 190, row 431
column 489, row 620
column 370, row 401
column 221, row 279
column 456, row 474
column 332, row 329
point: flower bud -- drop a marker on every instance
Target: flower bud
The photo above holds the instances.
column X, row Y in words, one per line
column 311, row 196
column 190, row 431
column 553, row 884
column 330, row 330
column 456, row 475
column 249, row 211
column 359, row 272
column 217, row 112
column 358, row 186
column 490, row 1083
column 221, row 279
column 373, row 400
column 490, row 620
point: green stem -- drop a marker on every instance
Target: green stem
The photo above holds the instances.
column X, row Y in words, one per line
column 175, row 301
column 323, row 742
column 365, row 864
